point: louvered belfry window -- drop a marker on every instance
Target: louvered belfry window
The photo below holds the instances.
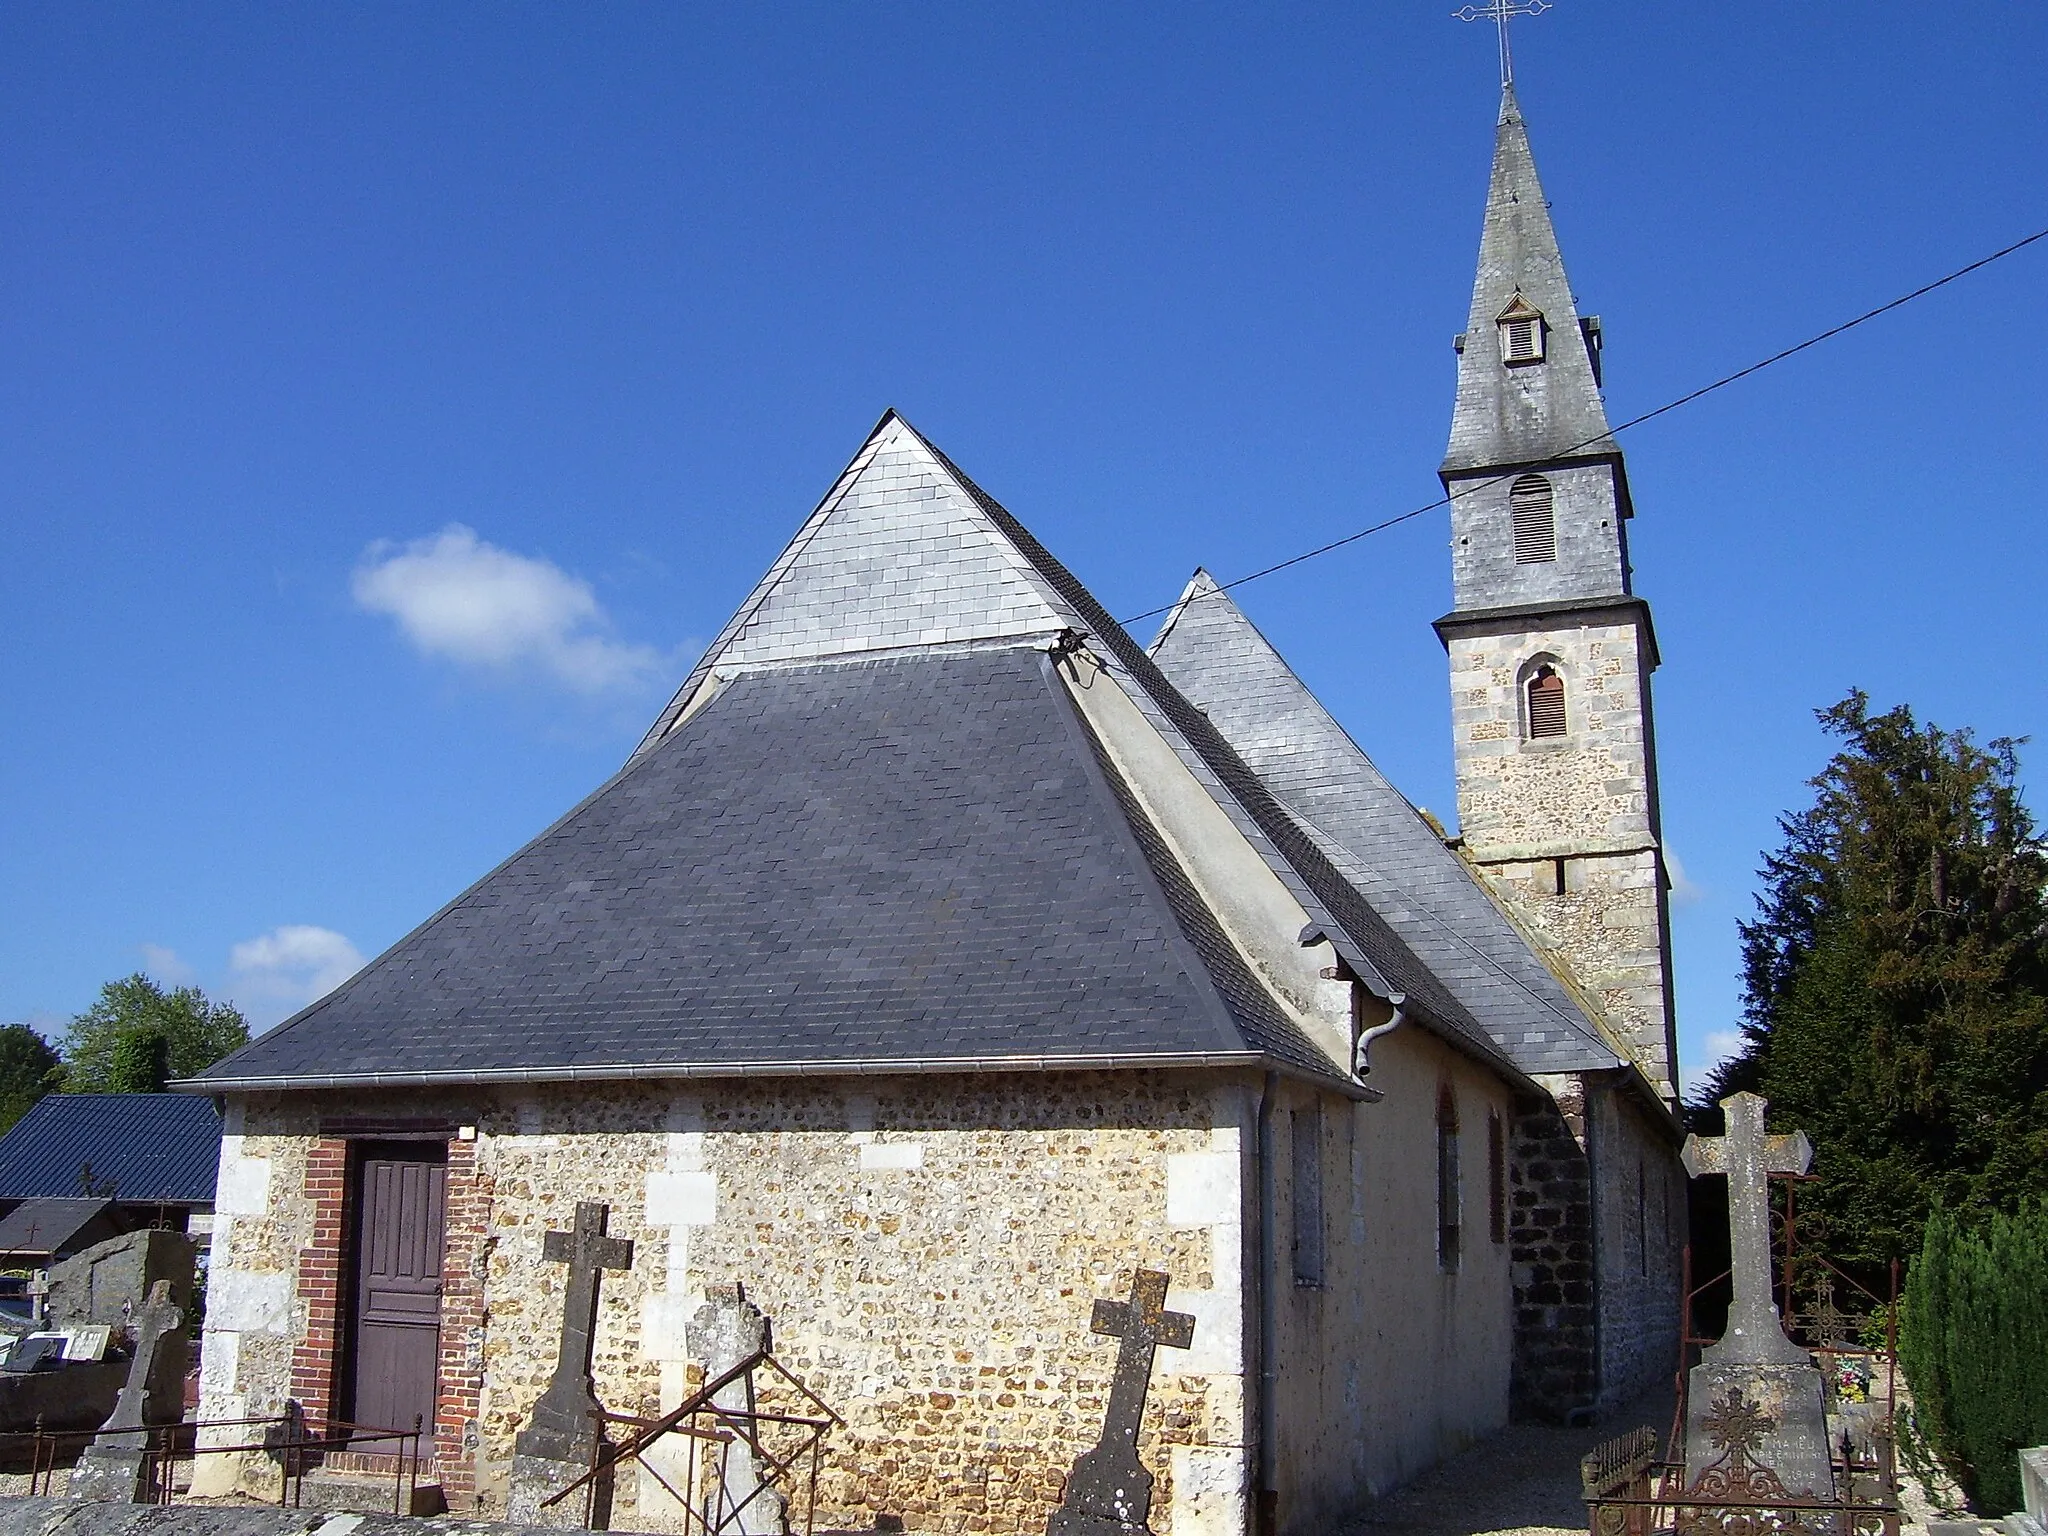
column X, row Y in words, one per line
column 1529, row 501
column 1521, row 332
column 1546, row 704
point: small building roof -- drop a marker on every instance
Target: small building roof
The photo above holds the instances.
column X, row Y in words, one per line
column 143, row 1148
column 48, row 1226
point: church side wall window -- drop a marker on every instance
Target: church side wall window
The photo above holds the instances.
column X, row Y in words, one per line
column 1306, row 1137
column 1496, row 1177
column 1545, row 699
column 1532, row 506
column 1449, row 1196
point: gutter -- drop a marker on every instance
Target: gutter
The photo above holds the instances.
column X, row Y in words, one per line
column 841, row 1067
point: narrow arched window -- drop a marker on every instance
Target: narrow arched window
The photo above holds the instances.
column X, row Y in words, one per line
column 1449, row 1194
column 1529, row 501
column 1546, row 703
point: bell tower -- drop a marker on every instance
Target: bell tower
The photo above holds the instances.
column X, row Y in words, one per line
column 1550, row 649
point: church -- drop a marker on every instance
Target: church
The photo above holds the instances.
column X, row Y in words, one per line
column 944, row 955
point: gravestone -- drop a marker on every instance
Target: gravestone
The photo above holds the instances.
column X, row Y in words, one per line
column 1109, row 1492
column 1755, row 1394
column 109, row 1282
column 561, row 1437
column 2032, row 1518
column 117, row 1465
column 722, row 1333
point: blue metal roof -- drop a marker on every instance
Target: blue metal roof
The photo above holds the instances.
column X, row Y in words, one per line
column 143, row 1148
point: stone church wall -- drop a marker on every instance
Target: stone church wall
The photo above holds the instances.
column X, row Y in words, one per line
column 1394, row 1362
column 929, row 1250
column 1643, row 1231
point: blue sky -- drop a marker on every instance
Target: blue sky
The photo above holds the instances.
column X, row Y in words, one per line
column 393, row 398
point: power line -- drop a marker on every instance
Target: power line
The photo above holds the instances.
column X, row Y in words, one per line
column 1633, row 421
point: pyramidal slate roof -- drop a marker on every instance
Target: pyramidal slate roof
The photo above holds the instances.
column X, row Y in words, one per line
column 1423, row 891
column 1523, row 415
column 870, row 833
column 908, row 863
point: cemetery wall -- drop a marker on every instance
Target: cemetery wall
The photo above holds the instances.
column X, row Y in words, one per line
column 928, row 1249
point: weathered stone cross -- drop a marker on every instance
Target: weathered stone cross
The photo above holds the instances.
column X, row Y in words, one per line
column 116, row 1465
column 564, row 1408
column 1109, row 1492
column 1749, row 1157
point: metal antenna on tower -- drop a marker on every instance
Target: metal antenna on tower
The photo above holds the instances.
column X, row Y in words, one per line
column 1501, row 12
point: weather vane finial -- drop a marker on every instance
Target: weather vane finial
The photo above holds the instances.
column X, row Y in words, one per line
column 1501, row 12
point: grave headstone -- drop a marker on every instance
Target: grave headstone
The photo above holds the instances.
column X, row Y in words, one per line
column 88, row 1342
column 722, row 1333
column 1755, row 1385
column 561, row 1436
column 117, row 1465
column 39, row 1351
column 110, row 1281
column 1109, row 1492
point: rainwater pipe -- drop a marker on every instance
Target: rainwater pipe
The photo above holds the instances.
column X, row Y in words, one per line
column 1361, row 1052
column 1266, row 1511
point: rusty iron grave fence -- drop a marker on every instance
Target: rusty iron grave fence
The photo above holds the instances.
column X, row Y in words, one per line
column 730, row 1460
column 1629, row 1491
column 286, row 1438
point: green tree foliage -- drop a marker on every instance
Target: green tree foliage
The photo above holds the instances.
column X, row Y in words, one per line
column 1974, row 1344
column 138, row 1036
column 1894, row 985
column 28, row 1070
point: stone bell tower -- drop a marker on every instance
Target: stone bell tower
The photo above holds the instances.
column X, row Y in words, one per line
column 1550, row 649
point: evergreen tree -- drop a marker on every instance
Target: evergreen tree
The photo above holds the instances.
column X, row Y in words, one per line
column 1896, row 985
column 138, row 1036
column 28, row 1070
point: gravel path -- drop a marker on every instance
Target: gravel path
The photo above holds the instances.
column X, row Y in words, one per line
column 1522, row 1482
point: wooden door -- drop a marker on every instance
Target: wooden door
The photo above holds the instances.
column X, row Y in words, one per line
column 397, row 1301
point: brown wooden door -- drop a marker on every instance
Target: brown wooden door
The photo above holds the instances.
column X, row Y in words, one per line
column 397, row 1321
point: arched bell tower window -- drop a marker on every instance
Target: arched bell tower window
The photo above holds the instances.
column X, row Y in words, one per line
column 1545, row 692
column 1521, row 332
column 1535, row 518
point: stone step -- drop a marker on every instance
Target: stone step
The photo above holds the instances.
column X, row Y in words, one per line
column 366, row 1493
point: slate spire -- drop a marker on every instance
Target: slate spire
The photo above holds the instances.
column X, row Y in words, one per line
column 1537, row 410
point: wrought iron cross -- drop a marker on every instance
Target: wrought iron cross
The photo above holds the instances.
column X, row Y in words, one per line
column 1501, row 12
column 1749, row 1157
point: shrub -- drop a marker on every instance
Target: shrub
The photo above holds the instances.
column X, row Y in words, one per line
column 1974, row 1345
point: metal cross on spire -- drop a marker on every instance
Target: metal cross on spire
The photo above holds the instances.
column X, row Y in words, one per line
column 1501, row 12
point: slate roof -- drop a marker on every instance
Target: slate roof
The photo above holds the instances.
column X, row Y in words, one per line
column 47, row 1226
column 1420, row 887
column 1531, row 415
column 908, row 863
column 153, row 1148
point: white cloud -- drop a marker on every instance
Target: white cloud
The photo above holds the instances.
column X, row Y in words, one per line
column 280, row 972
column 457, row 597
column 162, row 963
column 1683, row 891
column 1708, row 1053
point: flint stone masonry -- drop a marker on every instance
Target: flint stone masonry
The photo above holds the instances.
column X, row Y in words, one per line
column 1583, row 805
column 942, row 1310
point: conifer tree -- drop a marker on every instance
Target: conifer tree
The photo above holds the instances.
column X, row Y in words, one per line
column 1896, row 985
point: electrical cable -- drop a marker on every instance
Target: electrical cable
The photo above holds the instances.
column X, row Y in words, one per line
column 1633, row 421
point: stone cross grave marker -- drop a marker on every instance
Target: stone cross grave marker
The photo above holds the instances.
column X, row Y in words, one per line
column 116, row 1465
column 1109, row 1492
column 1755, row 1356
column 560, row 1436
